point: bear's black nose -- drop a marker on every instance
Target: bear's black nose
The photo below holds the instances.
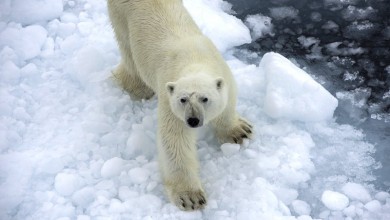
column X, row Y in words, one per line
column 193, row 122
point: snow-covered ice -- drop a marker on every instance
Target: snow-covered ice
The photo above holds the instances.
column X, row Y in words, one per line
column 73, row 145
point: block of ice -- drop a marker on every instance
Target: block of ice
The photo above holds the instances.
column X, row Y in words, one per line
column 334, row 200
column 356, row 192
column 112, row 167
column 301, row 207
column 284, row 12
column 373, row 206
column 226, row 31
column 292, row 94
column 382, row 196
column 84, row 197
column 27, row 42
column 34, row 11
column 66, row 183
column 260, row 25
column 138, row 175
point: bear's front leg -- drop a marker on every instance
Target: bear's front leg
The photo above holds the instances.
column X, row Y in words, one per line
column 179, row 162
column 230, row 127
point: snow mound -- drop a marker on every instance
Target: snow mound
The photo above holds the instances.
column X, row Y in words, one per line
column 292, row 94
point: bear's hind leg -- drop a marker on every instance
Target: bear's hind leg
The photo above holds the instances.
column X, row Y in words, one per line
column 128, row 78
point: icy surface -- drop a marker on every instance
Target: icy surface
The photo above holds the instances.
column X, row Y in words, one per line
column 75, row 146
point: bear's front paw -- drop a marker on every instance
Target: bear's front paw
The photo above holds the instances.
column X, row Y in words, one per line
column 190, row 200
column 240, row 131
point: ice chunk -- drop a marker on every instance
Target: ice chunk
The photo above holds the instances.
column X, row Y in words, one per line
column 350, row 211
column 138, row 175
column 304, row 217
column 301, row 207
column 9, row 73
column 334, row 200
column 34, row 11
column 84, row 197
column 83, row 217
column 307, row 42
column 260, row 25
column 66, row 183
column 373, row 206
column 112, row 167
column 283, row 12
column 291, row 93
column 139, row 143
column 382, row 196
column 229, row 149
column 27, row 42
column 356, row 192
column 124, row 193
column 226, row 31
column 352, row 13
column 116, row 206
column 360, row 30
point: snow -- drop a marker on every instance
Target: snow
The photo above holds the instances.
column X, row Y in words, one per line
column 291, row 93
column 75, row 146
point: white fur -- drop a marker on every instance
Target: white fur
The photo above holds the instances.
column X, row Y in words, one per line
column 164, row 52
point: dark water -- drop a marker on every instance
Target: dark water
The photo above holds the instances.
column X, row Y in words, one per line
column 351, row 56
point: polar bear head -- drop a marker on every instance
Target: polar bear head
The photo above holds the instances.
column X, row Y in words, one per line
column 197, row 99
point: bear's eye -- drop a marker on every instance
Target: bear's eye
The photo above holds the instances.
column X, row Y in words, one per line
column 204, row 100
column 183, row 100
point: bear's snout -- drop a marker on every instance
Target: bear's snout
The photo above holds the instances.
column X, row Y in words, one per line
column 193, row 122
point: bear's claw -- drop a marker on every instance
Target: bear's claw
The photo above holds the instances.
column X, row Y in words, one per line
column 241, row 131
column 190, row 200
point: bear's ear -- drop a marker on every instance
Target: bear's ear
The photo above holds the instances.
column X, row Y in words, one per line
column 170, row 86
column 219, row 83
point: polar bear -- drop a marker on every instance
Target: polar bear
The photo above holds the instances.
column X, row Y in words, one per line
column 164, row 53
